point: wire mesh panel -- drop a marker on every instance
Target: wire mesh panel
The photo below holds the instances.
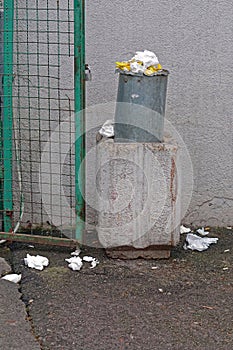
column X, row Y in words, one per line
column 43, row 122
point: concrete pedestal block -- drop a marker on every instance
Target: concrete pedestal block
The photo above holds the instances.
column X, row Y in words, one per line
column 138, row 198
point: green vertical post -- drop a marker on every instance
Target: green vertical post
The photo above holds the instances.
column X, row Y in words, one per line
column 79, row 89
column 8, row 112
column 1, row 114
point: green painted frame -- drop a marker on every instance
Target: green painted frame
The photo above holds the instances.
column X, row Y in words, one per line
column 79, row 88
column 79, row 92
column 8, row 114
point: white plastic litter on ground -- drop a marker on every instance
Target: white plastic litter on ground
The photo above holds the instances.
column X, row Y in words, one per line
column 76, row 252
column 225, row 268
column 202, row 231
column 94, row 263
column 75, row 263
column 107, row 129
column 195, row 242
column 184, row 229
column 37, row 262
column 13, row 277
column 88, row 258
column 2, row 241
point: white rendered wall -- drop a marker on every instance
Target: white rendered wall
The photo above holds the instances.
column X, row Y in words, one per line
column 193, row 40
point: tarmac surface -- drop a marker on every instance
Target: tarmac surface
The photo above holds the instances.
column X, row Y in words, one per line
column 181, row 303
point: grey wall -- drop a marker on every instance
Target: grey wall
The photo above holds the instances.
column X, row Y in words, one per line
column 193, row 40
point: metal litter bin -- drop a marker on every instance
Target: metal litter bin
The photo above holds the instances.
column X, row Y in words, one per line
column 140, row 109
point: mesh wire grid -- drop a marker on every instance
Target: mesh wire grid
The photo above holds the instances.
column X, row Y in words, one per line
column 43, row 118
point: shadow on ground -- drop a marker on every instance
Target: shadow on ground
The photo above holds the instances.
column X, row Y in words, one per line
column 181, row 303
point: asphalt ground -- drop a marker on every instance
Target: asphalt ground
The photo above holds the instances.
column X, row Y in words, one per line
column 183, row 303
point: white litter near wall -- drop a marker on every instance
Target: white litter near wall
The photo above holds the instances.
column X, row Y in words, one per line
column 75, row 263
column 2, row 241
column 76, row 252
column 37, row 262
column 88, row 258
column 13, row 277
column 184, row 229
column 107, row 129
column 195, row 242
column 134, row 96
column 202, row 231
column 94, row 263
column 74, row 266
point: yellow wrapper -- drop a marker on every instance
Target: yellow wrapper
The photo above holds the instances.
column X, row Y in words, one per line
column 123, row 65
column 152, row 69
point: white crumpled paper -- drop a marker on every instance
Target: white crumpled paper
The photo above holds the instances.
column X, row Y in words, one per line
column 202, row 231
column 75, row 263
column 107, row 129
column 94, row 262
column 143, row 62
column 13, row 277
column 195, row 242
column 76, row 252
column 184, row 229
column 37, row 262
column 88, row 258
column 136, row 67
column 148, row 58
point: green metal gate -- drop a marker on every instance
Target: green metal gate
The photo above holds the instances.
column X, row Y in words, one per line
column 42, row 46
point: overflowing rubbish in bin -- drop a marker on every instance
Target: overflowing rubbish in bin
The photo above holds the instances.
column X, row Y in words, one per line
column 141, row 99
column 143, row 62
